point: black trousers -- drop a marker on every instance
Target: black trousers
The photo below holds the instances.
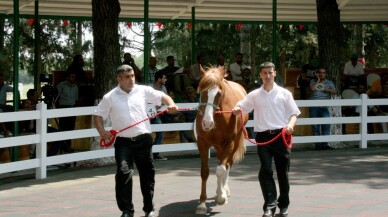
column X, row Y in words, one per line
column 128, row 151
column 66, row 124
column 281, row 155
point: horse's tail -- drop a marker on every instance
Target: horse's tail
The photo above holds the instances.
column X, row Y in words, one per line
column 241, row 148
column 239, row 154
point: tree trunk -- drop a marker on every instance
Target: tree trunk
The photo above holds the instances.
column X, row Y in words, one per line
column 329, row 33
column 105, row 44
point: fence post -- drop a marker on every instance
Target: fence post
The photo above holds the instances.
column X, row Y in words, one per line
column 41, row 148
column 364, row 123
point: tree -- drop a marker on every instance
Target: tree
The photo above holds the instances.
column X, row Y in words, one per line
column 105, row 22
column 329, row 28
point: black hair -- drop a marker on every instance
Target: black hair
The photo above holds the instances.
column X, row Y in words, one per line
column 159, row 74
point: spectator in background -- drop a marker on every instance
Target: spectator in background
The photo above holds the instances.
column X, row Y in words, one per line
column 77, row 67
column 4, row 88
column 29, row 126
column 307, row 73
column 321, row 88
column 376, row 88
column 237, row 67
column 353, row 71
column 128, row 60
column 195, row 73
column 220, row 61
column 169, row 71
column 151, row 70
column 159, row 84
column 67, row 98
column 247, row 82
column 191, row 97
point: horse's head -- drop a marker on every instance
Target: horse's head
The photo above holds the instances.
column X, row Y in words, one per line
column 211, row 91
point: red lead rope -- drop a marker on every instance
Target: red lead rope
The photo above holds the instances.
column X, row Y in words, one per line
column 109, row 142
column 287, row 139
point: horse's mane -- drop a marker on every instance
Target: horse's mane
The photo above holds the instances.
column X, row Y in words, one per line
column 212, row 77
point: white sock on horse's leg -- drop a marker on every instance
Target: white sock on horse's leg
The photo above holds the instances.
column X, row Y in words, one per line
column 226, row 181
column 221, row 194
column 201, row 209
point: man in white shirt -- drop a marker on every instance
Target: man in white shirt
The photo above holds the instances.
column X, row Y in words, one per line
column 237, row 67
column 125, row 105
column 353, row 70
column 274, row 109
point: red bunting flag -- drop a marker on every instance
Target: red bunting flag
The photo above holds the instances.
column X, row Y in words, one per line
column 31, row 22
column 301, row 26
column 238, row 26
column 160, row 24
column 129, row 24
column 65, row 23
column 189, row 25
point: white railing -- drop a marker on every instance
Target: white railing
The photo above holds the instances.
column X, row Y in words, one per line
column 42, row 115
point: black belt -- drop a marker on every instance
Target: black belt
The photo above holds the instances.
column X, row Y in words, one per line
column 134, row 139
column 275, row 131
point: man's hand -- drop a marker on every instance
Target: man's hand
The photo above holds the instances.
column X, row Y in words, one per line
column 236, row 110
column 171, row 109
column 289, row 130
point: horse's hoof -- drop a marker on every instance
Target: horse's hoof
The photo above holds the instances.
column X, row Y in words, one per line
column 220, row 200
column 201, row 211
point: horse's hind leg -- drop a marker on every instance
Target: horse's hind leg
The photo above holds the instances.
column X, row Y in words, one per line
column 201, row 208
column 221, row 196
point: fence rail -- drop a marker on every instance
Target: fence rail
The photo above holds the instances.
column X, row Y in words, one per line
column 41, row 138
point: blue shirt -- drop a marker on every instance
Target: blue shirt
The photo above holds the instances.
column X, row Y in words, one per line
column 319, row 93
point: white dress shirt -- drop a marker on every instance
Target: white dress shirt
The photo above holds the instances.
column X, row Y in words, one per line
column 351, row 70
column 125, row 109
column 272, row 110
column 236, row 70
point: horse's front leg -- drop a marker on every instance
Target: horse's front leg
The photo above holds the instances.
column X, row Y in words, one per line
column 221, row 197
column 226, row 180
column 202, row 209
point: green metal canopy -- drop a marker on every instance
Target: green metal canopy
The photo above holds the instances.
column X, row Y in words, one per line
column 211, row 10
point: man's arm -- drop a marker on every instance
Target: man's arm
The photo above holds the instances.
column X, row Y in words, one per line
column 291, row 124
column 169, row 102
column 99, row 124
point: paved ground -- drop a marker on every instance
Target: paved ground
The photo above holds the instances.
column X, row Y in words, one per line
column 333, row 183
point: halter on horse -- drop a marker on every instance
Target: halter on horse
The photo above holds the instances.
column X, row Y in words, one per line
column 223, row 130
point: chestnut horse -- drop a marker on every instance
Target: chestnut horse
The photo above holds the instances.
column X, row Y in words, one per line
column 221, row 129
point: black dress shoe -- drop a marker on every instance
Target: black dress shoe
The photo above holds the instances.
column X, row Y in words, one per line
column 269, row 213
column 283, row 212
column 125, row 214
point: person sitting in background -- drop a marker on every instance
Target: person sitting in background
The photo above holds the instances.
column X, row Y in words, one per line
column 190, row 116
column 247, row 81
column 237, row 67
column 376, row 88
column 353, row 71
column 307, row 73
column 4, row 88
column 159, row 84
column 29, row 126
column 195, row 72
column 151, row 70
column 128, row 60
column 220, row 61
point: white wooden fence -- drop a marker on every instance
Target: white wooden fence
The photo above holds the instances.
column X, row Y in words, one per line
column 42, row 114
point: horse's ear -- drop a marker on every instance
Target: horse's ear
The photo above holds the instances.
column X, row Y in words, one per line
column 222, row 70
column 201, row 70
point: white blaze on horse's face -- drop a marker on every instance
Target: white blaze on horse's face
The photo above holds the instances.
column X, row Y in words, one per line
column 208, row 119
